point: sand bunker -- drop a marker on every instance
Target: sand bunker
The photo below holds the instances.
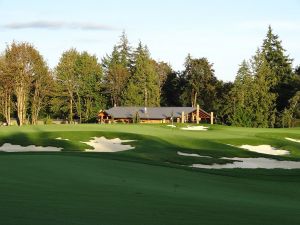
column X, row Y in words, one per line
column 252, row 163
column 60, row 138
column 192, row 155
column 265, row 149
column 7, row 147
column 101, row 144
column 171, row 126
column 294, row 140
column 246, row 163
column 202, row 128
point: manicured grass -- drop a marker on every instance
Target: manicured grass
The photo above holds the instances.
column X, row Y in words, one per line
column 147, row 185
column 51, row 189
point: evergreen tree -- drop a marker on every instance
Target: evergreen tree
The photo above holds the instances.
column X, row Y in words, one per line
column 142, row 88
column 263, row 100
column 222, row 106
column 281, row 65
column 125, row 50
column 172, row 90
column 241, row 110
column 297, row 71
column 252, row 103
column 296, row 80
column 292, row 112
column 117, row 67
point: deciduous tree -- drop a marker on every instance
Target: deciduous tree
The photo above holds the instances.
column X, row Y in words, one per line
column 201, row 83
column 6, row 90
column 65, row 75
column 28, row 70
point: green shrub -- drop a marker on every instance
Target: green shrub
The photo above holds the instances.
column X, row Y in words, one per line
column 48, row 120
column 91, row 120
column 136, row 118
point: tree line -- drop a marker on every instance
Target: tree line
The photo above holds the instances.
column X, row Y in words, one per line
column 265, row 92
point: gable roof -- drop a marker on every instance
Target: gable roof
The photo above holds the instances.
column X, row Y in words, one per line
column 153, row 112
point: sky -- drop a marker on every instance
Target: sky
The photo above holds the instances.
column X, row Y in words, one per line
column 225, row 32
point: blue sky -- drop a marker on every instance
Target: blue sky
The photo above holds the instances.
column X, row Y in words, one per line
column 226, row 32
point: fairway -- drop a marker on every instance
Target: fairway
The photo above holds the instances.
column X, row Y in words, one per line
column 150, row 184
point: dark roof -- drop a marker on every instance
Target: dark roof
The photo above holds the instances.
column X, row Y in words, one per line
column 152, row 112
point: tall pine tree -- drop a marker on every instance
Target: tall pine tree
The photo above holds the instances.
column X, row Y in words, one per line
column 143, row 87
column 240, row 110
column 252, row 103
column 263, row 100
column 117, row 68
column 281, row 65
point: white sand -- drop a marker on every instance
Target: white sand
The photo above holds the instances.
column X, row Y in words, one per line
column 60, row 138
column 246, row 163
column 294, row 140
column 7, row 147
column 193, row 155
column 101, row 144
column 202, row 128
column 252, row 163
column 265, row 149
column 171, row 126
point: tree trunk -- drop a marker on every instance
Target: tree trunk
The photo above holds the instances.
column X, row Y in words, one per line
column 36, row 105
column 79, row 109
column 71, row 111
column 88, row 108
column 21, row 105
column 194, row 98
column 8, row 109
column 33, row 111
column 146, row 97
column 78, row 106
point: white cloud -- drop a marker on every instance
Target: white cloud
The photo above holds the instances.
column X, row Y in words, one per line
column 58, row 25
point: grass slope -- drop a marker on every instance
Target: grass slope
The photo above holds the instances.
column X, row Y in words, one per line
column 146, row 185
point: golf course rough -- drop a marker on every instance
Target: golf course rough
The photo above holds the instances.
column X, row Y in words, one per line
column 149, row 184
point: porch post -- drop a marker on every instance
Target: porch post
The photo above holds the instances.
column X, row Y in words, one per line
column 197, row 116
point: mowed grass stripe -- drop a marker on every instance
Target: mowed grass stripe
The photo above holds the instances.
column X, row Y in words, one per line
column 58, row 189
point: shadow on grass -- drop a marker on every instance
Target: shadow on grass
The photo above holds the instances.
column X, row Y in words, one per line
column 148, row 149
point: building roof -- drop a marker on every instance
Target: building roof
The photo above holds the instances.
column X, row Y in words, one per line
column 153, row 112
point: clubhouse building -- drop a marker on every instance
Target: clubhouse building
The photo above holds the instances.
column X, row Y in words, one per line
column 155, row 115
